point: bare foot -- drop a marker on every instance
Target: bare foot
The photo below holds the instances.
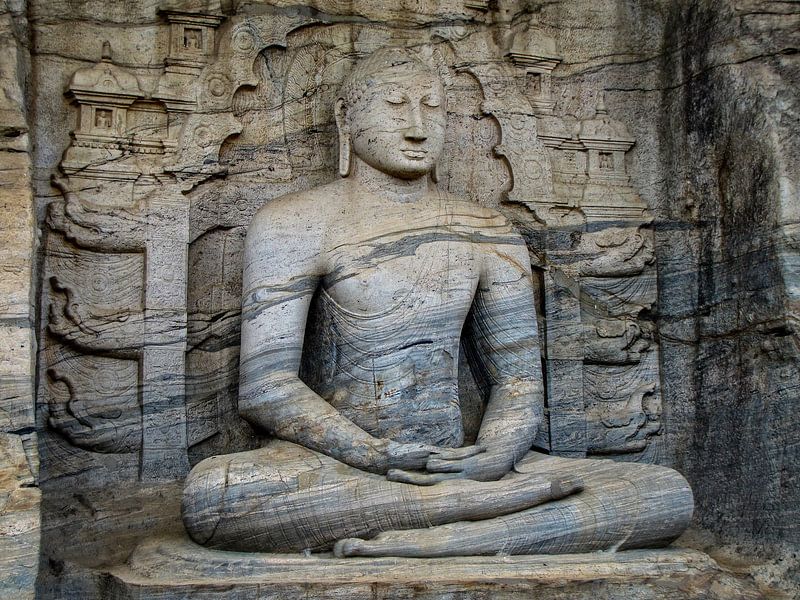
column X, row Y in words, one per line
column 566, row 486
column 348, row 547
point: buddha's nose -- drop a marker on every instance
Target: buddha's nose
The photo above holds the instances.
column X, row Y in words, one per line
column 415, row 131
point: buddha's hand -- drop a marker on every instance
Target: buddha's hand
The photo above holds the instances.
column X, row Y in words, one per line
column 483, row 465
column 416, row 457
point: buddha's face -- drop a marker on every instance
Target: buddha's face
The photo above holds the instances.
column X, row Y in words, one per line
column 397, row 126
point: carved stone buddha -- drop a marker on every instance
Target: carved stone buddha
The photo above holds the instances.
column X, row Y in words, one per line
column 358, row 297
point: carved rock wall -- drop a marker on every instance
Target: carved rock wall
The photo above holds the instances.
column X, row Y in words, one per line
column 718, row 168
column 19, row 496
column 163, row 168
column 732, row 343
column 645, row 150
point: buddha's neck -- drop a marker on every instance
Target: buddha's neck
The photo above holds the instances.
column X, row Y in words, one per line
column 387, row 186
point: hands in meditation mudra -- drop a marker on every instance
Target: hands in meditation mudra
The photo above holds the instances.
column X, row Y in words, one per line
column 376, row 277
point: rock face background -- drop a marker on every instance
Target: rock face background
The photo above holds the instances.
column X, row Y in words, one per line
column 728, row 305
column 19, row 496
column 202, row 111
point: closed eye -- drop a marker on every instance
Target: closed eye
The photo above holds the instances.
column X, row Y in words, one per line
column 431, row 101
column 395, row 100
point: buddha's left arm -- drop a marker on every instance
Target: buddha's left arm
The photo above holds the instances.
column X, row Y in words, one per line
column 503, row 346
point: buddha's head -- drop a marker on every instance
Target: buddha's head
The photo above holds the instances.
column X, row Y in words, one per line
column 391, row 114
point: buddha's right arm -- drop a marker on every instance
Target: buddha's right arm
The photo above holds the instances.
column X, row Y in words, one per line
column 282, row 269
column 279, row 402
column 273, row 398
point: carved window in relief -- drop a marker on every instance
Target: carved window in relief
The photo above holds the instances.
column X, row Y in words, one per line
column 103, row 118
column 533, row 83
column 570, row 161
column 192, row 38
column 606, row 162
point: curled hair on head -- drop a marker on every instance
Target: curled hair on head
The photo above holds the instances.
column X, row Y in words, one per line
column 362, row 76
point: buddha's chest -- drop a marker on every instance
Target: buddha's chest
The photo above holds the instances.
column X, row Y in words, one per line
column 430, row 273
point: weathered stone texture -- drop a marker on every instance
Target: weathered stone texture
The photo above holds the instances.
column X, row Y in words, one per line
column 158, row 571
column 19, row 520
column 729, row 95
column 19, row 496
column 670, row 324
column 719, row 168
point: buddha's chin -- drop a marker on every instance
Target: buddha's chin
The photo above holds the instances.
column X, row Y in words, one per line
column 402, row 163
column 410, row 168
column 410, row 175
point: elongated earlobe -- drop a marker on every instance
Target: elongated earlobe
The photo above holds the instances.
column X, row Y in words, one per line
column 435, row 173
column 345, row 149
column 344, row 154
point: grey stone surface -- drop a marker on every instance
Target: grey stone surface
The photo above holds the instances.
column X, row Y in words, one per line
column 742, row 206
column 357, row 297
column 19, row 494
column 167, row 568
column 140, row 273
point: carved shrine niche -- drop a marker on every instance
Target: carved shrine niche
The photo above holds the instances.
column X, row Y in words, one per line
column 143, row 255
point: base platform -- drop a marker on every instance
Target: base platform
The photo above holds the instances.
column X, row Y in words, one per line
column 176, row 568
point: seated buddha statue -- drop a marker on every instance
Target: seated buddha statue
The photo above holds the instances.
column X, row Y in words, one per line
column 358, row 297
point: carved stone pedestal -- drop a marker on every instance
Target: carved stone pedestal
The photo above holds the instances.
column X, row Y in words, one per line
column 177, row 568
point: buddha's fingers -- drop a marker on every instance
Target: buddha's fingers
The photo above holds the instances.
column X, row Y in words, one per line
column 457, row 453
column 418, row 478
column 437, row 465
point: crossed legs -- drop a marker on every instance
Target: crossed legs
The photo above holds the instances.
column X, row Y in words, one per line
column 286, row 498
column 622, row 506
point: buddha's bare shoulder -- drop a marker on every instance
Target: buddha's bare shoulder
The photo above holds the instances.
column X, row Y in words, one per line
column 483, row 218
column 303, row 211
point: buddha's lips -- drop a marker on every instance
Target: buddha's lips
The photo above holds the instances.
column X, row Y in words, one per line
column 416, row 154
